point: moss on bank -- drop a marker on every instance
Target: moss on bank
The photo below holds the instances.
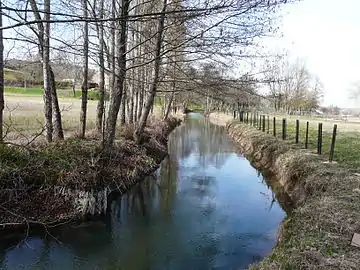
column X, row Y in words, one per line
column 317, row 234
column 28, row 176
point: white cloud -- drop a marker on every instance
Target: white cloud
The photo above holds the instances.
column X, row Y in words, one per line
column 326, row 34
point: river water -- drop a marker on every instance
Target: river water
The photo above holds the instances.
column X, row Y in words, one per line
column 206, row 208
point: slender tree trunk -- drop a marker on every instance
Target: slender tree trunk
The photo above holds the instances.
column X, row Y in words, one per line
column 46, row 73
column 141, row 93
column 168, row 108
column 131, row 105
column 1, row 77
column 57, row 123
column 113, row 45
column 136, row 103
column 84, row 87
column 150, row 99
column 123, row 108
column 100, row 106
column 114, row 104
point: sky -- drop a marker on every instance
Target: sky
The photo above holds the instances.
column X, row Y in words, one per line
column 326, row 33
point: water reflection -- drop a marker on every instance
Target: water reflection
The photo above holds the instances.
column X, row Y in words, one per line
column 205, row 208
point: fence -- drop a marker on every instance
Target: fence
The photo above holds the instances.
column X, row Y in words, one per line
column 298, row 132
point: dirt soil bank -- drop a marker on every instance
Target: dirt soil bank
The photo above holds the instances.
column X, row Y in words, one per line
column 326, row 198
column 72, row 180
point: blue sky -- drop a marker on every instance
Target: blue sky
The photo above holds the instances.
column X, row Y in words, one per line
column 326, row 33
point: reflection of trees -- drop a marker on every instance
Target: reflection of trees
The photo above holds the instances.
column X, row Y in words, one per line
column 200, row 138
column 277, row 192
column 167, row 183
column 153, row 226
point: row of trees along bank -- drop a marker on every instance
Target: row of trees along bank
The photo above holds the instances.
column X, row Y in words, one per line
column 173, row 49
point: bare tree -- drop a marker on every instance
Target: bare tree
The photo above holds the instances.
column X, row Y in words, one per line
column 101, row 102
column 117, row 91
column 150, row 99
column 85, row 84
column 1, row 76
column 44, row 48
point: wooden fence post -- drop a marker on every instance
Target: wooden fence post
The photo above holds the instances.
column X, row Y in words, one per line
column 260, row 121
column 297, row 131
column 274, row 127
column 319, row 145
column 307, row 135
column 247, row 117
column 284, row 129
column 234, row 114
column 263, row 124
column 268, row 124
column 332, row 149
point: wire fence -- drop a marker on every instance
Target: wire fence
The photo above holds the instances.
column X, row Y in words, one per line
column 298, row 132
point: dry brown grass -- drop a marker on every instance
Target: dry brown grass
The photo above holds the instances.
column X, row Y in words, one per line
column 317, row 234
column 24, row 117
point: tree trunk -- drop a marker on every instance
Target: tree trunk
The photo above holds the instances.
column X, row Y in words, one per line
column 136, row 103
column 141, row 93
column 168, row 108
column 57, row 124
column 114, row 104
column 131, row 105
column 123, row 108
column 84, row 86
column 1, row 77
column 46, row 73
column 100, row 106
column 150, row 99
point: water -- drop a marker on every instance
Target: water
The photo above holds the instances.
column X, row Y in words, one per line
column 206, row 208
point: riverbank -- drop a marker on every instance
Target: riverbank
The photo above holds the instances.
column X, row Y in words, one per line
column 71, row 180
column 318, row 232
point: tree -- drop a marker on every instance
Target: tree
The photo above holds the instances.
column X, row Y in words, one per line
column 151, row 96
column 1, row 76
column 85, row 84
column 292, row 87
column 153, row 50
column 50, row 95
column 117, row 91
column 101, row 106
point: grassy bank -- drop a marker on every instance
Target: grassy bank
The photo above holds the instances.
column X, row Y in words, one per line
column 29, row 174
column 318, row 232
column 347, row 146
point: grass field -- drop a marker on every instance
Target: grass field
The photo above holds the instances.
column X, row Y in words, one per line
column 13, row 75
column 347, row 146
column 24, row 115
column 38, row 91
column 23, row 91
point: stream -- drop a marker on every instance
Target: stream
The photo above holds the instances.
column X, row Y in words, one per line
column 206, row 207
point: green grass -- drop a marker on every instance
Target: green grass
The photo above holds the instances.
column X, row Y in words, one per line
column 24, row 91
column 196, row 108
column 38, row 91
column 347, row 145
